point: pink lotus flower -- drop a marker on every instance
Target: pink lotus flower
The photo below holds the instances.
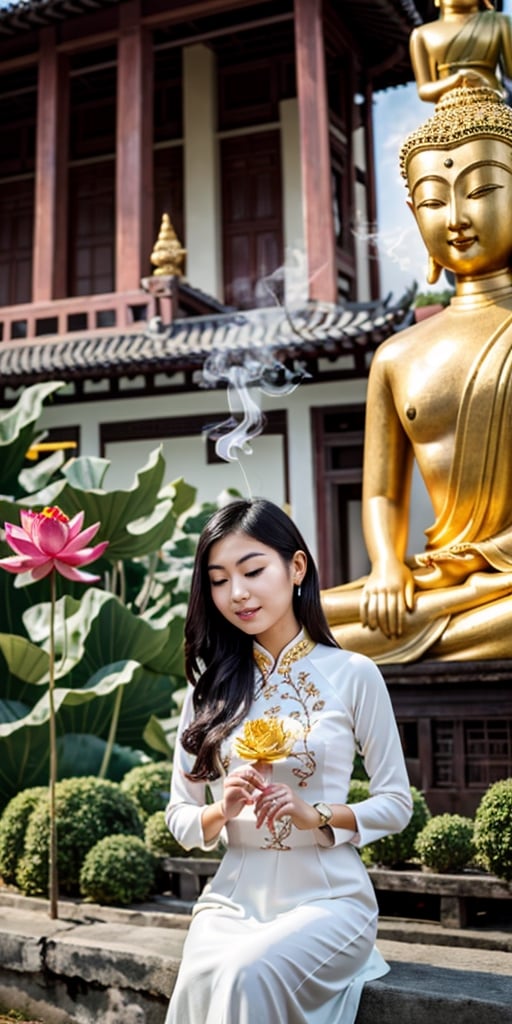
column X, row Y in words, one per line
column 50, row 540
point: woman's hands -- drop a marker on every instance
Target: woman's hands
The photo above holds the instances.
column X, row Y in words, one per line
column 272, row 801
column 279, row 801
column 241, row 788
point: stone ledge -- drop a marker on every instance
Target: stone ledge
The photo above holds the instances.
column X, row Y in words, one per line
column 454, row 890
column 71, row 971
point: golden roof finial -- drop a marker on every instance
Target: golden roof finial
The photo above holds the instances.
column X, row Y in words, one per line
column 168, row 255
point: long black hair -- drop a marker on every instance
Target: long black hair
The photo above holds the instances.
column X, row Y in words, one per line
column 218, row 656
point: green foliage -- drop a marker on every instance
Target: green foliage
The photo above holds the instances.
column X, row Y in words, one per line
column 88, row 809
column 159, row 840
column 118, row 869
column 442, row 298
column 446, row 842
column 161, row 734
column 18, row 432
column 162, row 843
column 148, row 786
column 13, row 826
column 359, row 770
column 396, row 849
column 493, row 829
column 119, row 647
column 83, row 755
column 358, row 790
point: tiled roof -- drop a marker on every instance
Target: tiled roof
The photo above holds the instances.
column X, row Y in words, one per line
column 318, row 330
column 20, row 15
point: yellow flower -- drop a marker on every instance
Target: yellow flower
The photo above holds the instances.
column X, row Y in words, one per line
column 266, row 739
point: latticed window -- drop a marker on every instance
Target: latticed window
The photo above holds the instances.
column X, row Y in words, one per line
column 443, row 752
column 477, row 751
column 488, row 746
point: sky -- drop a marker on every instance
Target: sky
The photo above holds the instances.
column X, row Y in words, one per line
column 403, row 258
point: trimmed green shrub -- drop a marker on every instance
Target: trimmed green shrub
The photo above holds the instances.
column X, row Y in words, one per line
column 446, row 842
column 13, row 826
column 393, row 851
column 359, row 789
column 162, row 843
column 87, row 809
column 358, row 769
column 148, row 785
column 159, row 840
column 493, row 829
column 118, row 869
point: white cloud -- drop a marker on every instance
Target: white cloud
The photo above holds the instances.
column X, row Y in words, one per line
column 402, row 253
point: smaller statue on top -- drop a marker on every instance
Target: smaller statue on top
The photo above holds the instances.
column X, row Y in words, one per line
column 469, row 46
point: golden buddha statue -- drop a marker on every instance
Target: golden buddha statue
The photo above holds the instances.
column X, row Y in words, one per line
column 440, row 392
column 465, row 47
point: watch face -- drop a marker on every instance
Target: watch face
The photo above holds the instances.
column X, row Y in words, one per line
column 324, row 810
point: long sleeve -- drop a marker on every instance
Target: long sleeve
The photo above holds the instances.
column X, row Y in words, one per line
column 389, row 806
column 184, row 810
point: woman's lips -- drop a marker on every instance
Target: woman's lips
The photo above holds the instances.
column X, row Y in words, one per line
column 247, row 613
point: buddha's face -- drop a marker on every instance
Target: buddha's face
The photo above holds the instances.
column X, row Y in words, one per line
column 461, row 198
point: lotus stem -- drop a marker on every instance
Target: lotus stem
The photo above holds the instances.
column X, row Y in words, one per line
column 53, row 872
column 102, row 774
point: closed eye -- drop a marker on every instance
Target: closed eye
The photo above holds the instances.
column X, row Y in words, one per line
column 217, row 583
column 430, row 204
column 483, row 190
column 254, row 572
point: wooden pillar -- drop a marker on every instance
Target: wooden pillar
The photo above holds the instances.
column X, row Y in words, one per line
column 134, row 150
column 315, row 151
column 50, row 220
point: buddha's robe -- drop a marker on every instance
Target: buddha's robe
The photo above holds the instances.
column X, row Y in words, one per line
column 474, row 46
column 472, row 618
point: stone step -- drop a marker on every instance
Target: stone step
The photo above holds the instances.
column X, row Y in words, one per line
column 119, row 967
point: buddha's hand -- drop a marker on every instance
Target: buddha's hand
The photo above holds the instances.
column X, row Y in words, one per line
column 448, row 567
column 387, row 595
column 470, row 79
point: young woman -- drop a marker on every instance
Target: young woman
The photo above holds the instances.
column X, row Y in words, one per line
column 276, row 711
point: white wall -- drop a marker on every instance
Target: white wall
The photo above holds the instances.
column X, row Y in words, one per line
column 362, row 227
column 296, row 271
column 201, row 167
column 258, row 474
column 187, row 457
column 264, row 471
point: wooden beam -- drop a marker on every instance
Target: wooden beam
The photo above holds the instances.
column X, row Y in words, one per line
column 160, row 12
column 50, row 227
column 315, row 150
column 134, row 192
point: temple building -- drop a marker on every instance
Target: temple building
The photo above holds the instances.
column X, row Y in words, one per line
column 250, row 126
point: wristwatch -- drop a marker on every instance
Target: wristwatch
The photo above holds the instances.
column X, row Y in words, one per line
column 325, row 813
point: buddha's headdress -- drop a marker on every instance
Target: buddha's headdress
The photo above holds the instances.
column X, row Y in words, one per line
column 460, row 116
